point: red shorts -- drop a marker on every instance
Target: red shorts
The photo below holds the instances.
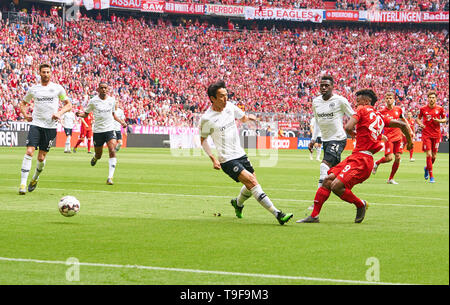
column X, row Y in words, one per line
column 355, row 169
column 85, row 132
column 430, row 144
column 393, row 147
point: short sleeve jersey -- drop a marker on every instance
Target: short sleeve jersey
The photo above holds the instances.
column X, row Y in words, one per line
column 329, row 116
column 221, row 126
column 119, row 113
column 68, row 120
column 432, row 129
column 46, row 103
column 369, row 128
column 393, row 134
column 103, row 113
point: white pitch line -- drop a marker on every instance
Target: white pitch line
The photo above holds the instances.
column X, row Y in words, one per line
column 266, row 188
column 226, row 273
column 226, row 197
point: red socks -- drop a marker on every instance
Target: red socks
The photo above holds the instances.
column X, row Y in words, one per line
column 430, row 166
column 382, row 160
column 351, row 198
column 411, row 153
column 394, row 169
column 78, row 142
column 322, row 195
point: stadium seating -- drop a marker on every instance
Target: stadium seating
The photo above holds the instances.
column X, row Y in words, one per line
column 160, row 71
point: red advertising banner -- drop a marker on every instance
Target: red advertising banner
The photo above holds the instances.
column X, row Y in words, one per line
column 276, row 143
column 184, row 8
column 154, row 6
column 435, row 17
column 132, row 4
column 342, row 15
column 394, row 16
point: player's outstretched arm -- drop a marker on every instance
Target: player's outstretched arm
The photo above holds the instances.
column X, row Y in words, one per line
column 404, row 128
column 23, row 109
column 250, row 117
column 67, row 107
column 207, row 149
column 124, row 125
column 350, row 127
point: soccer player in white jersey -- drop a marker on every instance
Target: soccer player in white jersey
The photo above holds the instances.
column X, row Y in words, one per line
column 68, row 121
column 103, row 108
column 329, row 110
column 219, row 123
column 317, row 141
column 46, row 97
column 118, row 127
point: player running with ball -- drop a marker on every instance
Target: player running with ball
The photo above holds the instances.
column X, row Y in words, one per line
column 103, row 107
column 357, row 167
column 219, row 123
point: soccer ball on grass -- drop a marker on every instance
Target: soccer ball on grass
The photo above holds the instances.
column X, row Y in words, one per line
column 69, row 206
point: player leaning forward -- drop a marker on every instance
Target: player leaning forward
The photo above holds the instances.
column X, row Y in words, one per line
column 46, row 97
column 357, row 167
column 103, row 107
column 219, row 123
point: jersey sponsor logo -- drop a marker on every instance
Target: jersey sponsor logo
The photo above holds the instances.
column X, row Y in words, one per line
column 326, row 115
column 44, row 99
column 227, row 126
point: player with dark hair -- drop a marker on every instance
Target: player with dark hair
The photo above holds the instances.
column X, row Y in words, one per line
column 103, row 107
column 219, row 123
column 357, row 167
column 432, row 116
column 329, row 110
column 394, row 144
column 46, row 97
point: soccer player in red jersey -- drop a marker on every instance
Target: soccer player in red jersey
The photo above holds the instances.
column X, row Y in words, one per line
column 432, row 116
column 412, row 122
column 394, row 144
column 357, row 167
column 85, row 131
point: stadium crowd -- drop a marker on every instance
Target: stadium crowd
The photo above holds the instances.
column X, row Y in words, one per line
column 389, row 5
column 159, row 70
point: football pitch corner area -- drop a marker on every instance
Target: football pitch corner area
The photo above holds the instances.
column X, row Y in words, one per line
column 168, row 221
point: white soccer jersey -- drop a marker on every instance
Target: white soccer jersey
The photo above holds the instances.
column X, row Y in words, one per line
column 120, row 115
column 46, row 103
column 314, row 126
column 329, row 116
column 68, row 120
column 221, row 126
column 103, row 113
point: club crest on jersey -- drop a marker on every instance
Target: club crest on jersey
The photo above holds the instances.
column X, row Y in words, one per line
column 332, row 104
column 235, row 169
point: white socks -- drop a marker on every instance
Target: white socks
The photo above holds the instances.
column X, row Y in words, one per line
column 318, row 151
column 323, row 173
column 112, row 167
column 39, row 167
column 67, row 147
column 26, row 167
column 264, row 200
column 243, row 195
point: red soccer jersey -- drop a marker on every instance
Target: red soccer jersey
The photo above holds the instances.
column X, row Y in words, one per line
column 393, row 134
column 412, row 123
column 432, row 129
column 368, row 129
column 88, row 121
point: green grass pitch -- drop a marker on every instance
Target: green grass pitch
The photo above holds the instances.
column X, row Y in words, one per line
column 160, row 223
